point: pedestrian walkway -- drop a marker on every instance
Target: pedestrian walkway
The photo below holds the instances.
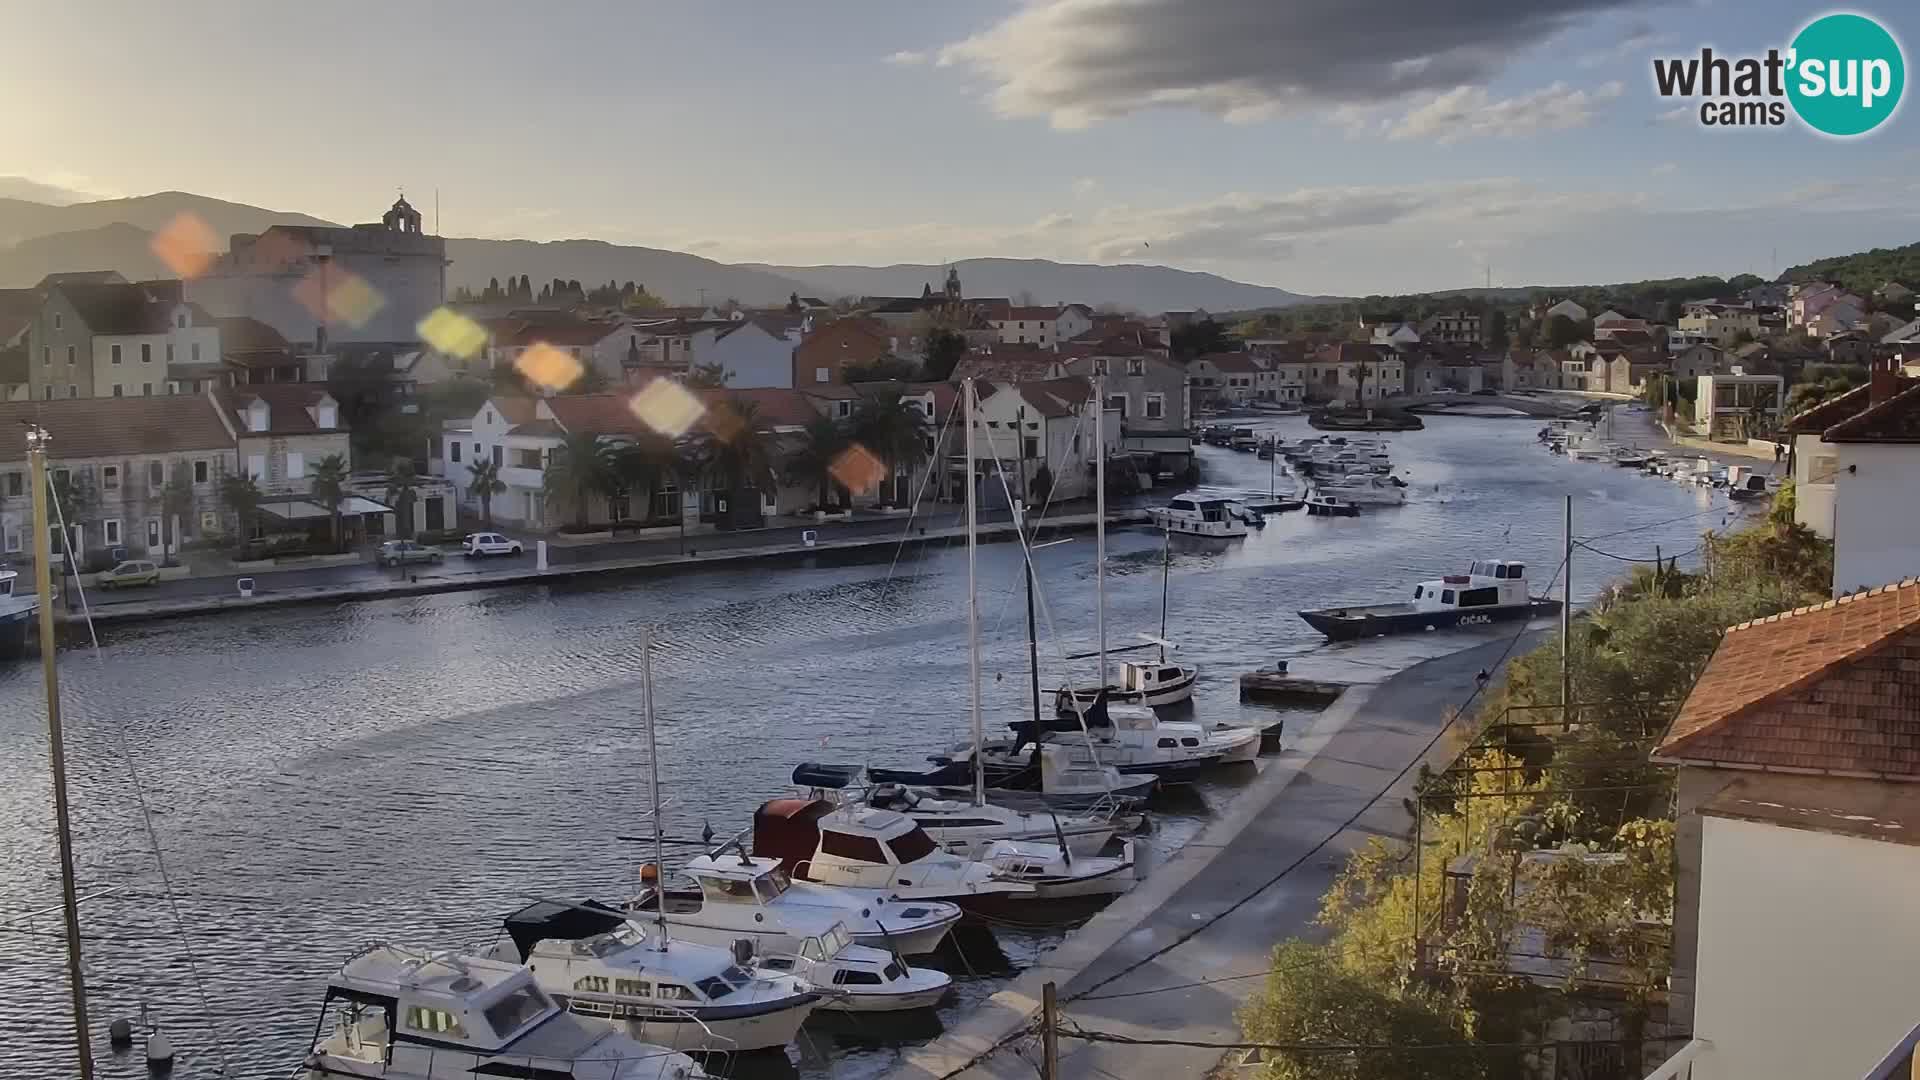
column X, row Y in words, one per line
column 1175, row 958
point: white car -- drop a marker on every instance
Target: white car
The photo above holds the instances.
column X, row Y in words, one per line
column 478, row 544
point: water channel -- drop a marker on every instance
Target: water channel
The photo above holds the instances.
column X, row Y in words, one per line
column 412, row 769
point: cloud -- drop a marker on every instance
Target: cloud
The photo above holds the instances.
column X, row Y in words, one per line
column 907, row 58
column 1666, row 168
column 1466, row 112
column 1676, row 116
column 1085, row 186
column 1637, row 40
column 1078, row 62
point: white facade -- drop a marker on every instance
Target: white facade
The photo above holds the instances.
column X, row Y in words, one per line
column 135, row 365
column 485, row 439
column 1044, row 327
column 1806, row 943
column 1724, row 399
column 1007, row 426
column 1876, row 515
column 753, row 357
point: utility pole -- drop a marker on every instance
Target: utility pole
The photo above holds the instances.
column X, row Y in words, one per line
column 1566, row 613
column 37, row 439
column 1049, row 1033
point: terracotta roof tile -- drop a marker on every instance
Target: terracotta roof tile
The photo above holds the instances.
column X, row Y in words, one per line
column 1896, row 419
column 1834, row 687
column 287, row 405
column 1818, row 418
column 112, row 427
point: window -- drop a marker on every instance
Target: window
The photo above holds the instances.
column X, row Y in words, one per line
column 912, row 845
column 73, row 391
column 1166, row 744
column 146, row 353
column 116, row 389
column 633, row 987
column 48, row 392
column 1117, row 403
column 112, row 526
column 1030, row 447
column 513, row 1012
column 593, row 984
column 209, row 521
column 296, row 465
column 453, row 452
column 527, row 459
column 146, row 389
column 180, row 320
column 56, row 320
column 1136, row 367
column 14, row 541
column 16, row 485
column 842, row 409
column 673, row 992
column 46, row 355
column 499, row 455
column 200, row 472
column 69, row 356
column 169, row 352
column 110, row 477
column 1099, row 365
column 1480, row 597
column 855, row 978
column 434, row 1021
column 821, row 375
column 115, row 352
column 858, row 848
column 1446, row 596
column 1156, row 406
column 619, row 508
column 195, row 347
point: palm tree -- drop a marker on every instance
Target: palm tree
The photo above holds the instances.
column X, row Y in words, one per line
column 642, row 467
column 242, row 495
column 812, row 463
column 329, row 487
column 738, row 459
column 483, row 480
column 403, row 483
column 577, row 471
column 893, row 431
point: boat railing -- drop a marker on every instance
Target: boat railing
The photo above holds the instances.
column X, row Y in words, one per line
column 613, row 1007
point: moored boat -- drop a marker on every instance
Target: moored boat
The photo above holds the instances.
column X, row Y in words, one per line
column 1322, row 504
column 16, row 614
column 1492, row 590
column 1195, row 514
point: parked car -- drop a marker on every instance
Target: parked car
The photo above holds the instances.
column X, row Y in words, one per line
column 486, row 543
column 395, row 552
column 129, row 573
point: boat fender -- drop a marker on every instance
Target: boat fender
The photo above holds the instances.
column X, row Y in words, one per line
column 159, row 1053
column 120, row 1033
column 866, row 913
column 757, row 917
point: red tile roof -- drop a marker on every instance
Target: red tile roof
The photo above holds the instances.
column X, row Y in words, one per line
column 115, row 427
column 1051, row 398
column 1237, row 362
column 244, row 334
column 1007, row 363
column 609, row 414
column 517, row 410
column 287, row 405
column 1829, row 688
column 1895, row 420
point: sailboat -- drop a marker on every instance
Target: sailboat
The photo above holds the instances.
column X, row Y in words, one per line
column 957, row 824
column 1151, row 683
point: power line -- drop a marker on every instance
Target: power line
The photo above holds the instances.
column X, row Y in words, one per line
column 1084, row 1035
column 1628, row 558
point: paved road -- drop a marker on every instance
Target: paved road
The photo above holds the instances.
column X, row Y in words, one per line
column 1350, row 759
column 457, row 566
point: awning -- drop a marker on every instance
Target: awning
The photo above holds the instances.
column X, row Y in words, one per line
column 305, row 510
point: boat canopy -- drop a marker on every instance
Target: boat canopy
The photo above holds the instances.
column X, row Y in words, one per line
column 815, row 774
column 545, row 920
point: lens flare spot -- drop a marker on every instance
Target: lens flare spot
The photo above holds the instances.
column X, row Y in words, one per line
column 335, row 295
column 859, row 470
column 453, row 333
column 187, row 245
column 724, row 422
column 666, row 407
column 548, row 368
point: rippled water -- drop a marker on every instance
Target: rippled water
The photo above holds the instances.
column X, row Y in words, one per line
column 412, row 769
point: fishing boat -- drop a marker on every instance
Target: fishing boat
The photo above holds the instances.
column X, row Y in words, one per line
column 1156, row 682
column 1749, row 489
column 1490, row 591
column 861, row 847
column 1242, row 439
column 16, row 614
column 1368, row 491
column 1323, row 504
column 960, row 826
column 413, row 1015
column 1194, row 514
column 685, row 995
column 741, row 898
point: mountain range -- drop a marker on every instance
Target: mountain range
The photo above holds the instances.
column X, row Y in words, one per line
column 39, row 238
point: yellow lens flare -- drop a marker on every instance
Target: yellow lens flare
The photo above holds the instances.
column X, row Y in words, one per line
column 859, row 470
column 667, row 407
column 548, row 368
column 331, row 294
column 187, row 245
column 452, row 333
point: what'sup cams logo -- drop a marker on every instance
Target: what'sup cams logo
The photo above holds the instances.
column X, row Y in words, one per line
column 1843, row 75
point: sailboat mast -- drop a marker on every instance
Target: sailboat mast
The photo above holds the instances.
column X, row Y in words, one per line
column 37, row 439
column 1100, row 522
column 1033, row 637
column 968, row 406
column 1166, row 571
column 653, row 786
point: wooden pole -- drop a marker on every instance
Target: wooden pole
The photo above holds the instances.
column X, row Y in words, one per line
column 1049, row 1034
column 56, row 749
column 1566, row 615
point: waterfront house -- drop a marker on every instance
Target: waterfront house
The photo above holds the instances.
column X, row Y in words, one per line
column 147, row 471
column 1353, row 373
column 1797, row 840
column 603, row 346
column 1529, row 369
column 1697, row 360
column 1044, row 326
column 755, row 352
column 1893, row 293
column 1855, row 458
column 1025, row 425
column 1225, row 378
column 1736, row 406
column 822, row 357
column 1721, row 324
column 1150, row 395
column 111, row 339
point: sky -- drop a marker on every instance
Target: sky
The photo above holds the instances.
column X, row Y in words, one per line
column 1324, row 146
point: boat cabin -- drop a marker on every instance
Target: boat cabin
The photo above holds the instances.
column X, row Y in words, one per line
column 794, row 831
column 400, row 1000
column 1146, row 676
column 1488, row 583
column 1198, row 508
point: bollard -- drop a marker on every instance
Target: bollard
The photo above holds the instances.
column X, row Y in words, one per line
column 246, row 586
column 539, row 554
column 809, row 537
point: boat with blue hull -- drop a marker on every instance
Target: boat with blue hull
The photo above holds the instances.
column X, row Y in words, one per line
column 1491, row 591
column 16, row 614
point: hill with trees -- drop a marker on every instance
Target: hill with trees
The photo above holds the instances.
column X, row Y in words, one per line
column 1863, row 271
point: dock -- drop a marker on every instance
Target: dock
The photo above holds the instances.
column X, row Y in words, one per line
column 1274, row 686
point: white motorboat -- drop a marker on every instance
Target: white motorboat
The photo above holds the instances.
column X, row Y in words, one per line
column 16, row 614
column 1368, row 491
column 862, row 847
column 685, row 995
column 1235, row 745
column 1130, row 737
column 959, row 826
column 1324, row 504
column 1193, row 514
column 737, row 897
column 1243, row 439
column 1142, row 682
column 1051, row 778
column 409, row 1015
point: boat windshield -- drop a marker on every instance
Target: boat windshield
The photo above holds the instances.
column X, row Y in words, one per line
column 916, row 844
column 523, row 1006
column 771, row 885
column 834, row 941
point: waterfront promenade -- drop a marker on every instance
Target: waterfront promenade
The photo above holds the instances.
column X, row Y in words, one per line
column 1167, row 960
